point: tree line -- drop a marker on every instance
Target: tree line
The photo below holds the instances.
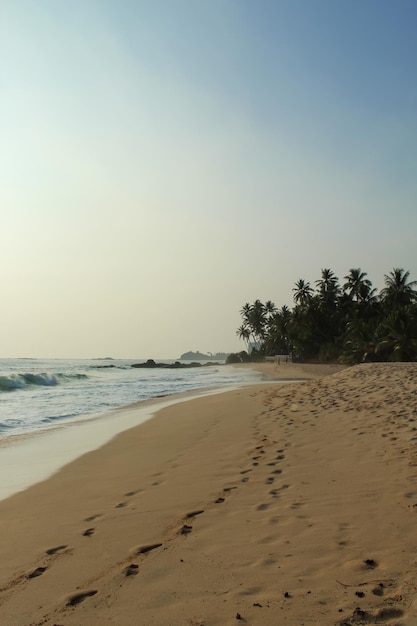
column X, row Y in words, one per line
column 349, row 323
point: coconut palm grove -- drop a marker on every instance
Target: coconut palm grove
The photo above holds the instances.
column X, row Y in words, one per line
column 332, row 322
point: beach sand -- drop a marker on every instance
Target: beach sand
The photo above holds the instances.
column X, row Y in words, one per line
column 272, row 504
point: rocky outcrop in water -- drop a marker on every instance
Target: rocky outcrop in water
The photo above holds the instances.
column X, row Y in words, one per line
column 150, row 363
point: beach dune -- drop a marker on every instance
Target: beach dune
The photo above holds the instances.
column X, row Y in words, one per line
column 271, row 504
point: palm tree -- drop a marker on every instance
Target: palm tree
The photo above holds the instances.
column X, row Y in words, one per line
column 328, row 286
column 254, row 323
column 398, row 291
column 360, row 340
column 367, row 294
column 305, row 328
column 257, row 319
column 399, row 332
column 330, row 315
column 302, row 292
column 243, row 332
column 329, row 323
column 357, row 286
column 270, row 308
column 245, row 310
column 277, row 339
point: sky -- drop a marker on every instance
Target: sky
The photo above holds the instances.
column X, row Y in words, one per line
column 163, row 162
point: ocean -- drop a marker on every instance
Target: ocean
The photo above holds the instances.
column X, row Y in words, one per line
column 37, row 395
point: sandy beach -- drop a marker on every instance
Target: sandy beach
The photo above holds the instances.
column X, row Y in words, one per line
column 271, row 504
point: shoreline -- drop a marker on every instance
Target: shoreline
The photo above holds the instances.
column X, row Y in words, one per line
column 29, row 458
column 47, row 394
column 289, row 503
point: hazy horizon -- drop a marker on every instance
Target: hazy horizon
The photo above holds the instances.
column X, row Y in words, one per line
column 139, row 358
column 164, row 162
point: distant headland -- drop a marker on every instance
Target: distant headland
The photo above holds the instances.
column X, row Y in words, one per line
column 196, row 359
column 199, row 356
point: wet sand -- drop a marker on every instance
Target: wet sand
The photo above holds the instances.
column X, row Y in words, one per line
column 292, row 504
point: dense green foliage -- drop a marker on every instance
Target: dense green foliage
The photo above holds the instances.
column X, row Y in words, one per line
column 328, row 322
column 239, row 357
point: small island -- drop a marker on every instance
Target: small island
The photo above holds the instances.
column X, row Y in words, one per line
column 199, row 356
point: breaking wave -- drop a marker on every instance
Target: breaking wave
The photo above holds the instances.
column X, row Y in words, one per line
column 13, row 382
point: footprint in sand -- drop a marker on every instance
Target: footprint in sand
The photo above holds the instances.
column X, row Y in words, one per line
column 378, row 590
column 388, row 613
column 194, row 513
column 52, row 551
column 367, row 564
column 88, row 532
column 132, row 569
column 148, row 548
column 80, row 597
column 364, row 617
column 121, row 505
column 37, row 572
column 269, row 480
column 226, row 490
column 93, row 517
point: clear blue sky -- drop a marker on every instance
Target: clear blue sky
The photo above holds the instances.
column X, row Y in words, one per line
column 164, row 162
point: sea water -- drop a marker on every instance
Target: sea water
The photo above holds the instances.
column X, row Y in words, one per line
column 37, row 394
column 53, row 411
